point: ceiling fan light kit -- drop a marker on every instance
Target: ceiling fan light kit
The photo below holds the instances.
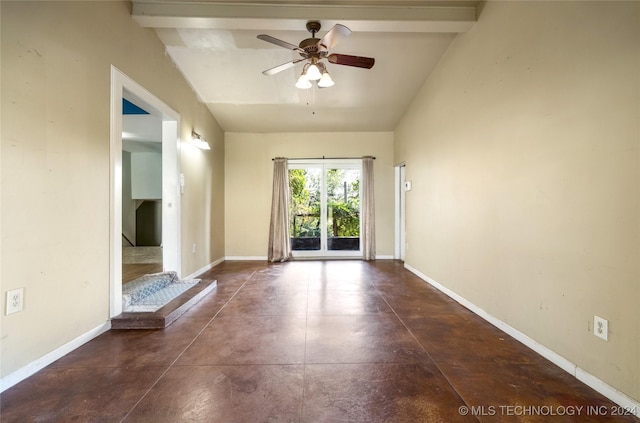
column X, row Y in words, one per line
column 313, row 50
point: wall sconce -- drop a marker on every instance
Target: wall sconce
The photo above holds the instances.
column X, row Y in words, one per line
column 199, row 141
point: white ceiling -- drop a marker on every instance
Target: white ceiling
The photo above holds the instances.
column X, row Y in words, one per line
column 215, row 47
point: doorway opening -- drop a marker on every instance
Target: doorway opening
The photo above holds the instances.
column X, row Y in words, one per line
column 400, row 215
column 141, row 190
column 156, row 138
column 325, row 209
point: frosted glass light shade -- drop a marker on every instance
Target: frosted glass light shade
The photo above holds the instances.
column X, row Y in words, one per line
column 313, row 73
column 325, row 81
column 303, row 83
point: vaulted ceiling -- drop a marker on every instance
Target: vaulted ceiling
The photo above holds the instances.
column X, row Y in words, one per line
column 215, row 46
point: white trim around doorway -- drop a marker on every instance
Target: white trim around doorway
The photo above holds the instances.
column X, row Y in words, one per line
column 123, row 86
column 400, row 215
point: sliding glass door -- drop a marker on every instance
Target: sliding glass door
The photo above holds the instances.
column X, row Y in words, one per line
column 324, row 212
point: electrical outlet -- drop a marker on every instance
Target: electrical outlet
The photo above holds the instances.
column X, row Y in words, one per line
column 601, row 327
column 15, row 301
column 194, row 248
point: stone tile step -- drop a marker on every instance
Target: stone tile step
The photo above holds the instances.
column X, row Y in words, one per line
column 167, row 314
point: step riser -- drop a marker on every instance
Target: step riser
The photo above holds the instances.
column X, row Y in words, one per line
column 166, row 315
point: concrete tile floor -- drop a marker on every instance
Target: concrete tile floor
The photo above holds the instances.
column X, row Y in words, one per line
column 318, row 341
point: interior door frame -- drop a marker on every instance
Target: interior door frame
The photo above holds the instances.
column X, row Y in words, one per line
column 123, row 86
column 400, row 214
column 325, row 164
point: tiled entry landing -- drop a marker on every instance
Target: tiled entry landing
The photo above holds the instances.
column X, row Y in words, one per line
column 335, row 341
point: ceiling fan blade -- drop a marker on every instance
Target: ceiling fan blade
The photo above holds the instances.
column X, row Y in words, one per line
column 272, row 40
column 281, row 67
column 333, row 36
column 357, row 61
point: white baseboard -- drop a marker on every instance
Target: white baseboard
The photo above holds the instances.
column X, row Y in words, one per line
column 626, row 403
column 254, row 258
column 620, row 398
column 42, row 362
column 245, row 258
column 205, row 268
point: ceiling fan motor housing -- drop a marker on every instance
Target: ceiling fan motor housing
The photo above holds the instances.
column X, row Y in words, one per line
column 310, row 45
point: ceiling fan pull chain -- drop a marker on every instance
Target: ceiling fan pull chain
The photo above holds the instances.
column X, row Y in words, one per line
column 313, row 98
column 313, row 95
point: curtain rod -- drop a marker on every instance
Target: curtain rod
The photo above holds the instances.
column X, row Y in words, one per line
column 324, row 158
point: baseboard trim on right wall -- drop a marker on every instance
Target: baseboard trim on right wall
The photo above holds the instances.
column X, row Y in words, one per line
column 620, row 398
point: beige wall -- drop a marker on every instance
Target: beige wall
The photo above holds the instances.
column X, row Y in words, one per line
column 56, row 64
column 249, row 175
column 203, row 199
column 523, row 149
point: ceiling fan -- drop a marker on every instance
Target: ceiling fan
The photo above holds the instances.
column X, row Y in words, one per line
column 313, row 50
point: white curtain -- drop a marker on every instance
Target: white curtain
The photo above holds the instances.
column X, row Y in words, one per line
column 279, row 242
column 368, row 211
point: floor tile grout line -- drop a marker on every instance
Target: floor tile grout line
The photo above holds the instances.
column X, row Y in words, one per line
column 292, row 364
column 311, row 363
column 304, row 356
column 170, row 366
column 425, row 350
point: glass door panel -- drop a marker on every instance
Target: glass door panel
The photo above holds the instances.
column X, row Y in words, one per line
column 343, row 209
column 324, row 211
column 305, row 207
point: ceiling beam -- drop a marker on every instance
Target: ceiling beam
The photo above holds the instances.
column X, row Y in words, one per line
column 277, row 16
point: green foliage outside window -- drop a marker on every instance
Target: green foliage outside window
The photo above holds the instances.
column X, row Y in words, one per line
column 304, row 217
column 343, row 203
